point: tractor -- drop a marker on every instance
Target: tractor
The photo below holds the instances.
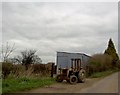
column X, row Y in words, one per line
column 72, row 75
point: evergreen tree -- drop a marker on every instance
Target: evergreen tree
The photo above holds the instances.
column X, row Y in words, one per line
column 112, row 52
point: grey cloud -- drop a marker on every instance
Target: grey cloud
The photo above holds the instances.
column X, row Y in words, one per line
column 50, row 27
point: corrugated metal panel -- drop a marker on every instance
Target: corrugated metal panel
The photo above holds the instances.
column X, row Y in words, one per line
column 64, row 59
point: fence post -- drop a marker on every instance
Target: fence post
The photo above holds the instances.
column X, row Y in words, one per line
column 52, row 70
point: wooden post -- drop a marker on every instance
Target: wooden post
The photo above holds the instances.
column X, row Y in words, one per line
column 52, row 70
column 71, row 63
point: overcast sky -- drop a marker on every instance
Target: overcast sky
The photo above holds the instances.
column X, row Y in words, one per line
column 50, row 27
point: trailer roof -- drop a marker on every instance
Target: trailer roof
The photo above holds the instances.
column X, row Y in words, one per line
column 73, row 53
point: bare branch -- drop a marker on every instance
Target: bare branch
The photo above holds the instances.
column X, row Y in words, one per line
column 7, row 50
column 10, row 51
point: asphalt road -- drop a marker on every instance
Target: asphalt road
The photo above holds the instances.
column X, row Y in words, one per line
column 108, row 84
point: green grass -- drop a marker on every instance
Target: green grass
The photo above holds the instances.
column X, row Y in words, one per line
column 103, row 73
column 21, row 84
column 0, row 86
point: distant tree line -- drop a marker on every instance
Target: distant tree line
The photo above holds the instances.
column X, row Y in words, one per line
column 29, row 59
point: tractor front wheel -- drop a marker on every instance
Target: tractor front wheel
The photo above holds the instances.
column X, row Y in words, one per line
column 73, row 79
column 59, row 78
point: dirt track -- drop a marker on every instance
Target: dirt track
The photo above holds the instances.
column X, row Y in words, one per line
column 97, row 85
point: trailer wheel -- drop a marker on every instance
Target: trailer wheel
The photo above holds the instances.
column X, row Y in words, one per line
column 73, row 79
column 82, row 76
column 59, row 78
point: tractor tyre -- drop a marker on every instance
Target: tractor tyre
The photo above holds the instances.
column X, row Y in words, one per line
column 59, row 78
column 82, row 76
column 73, row 79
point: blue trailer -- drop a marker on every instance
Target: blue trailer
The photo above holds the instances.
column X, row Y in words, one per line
column 65, row 59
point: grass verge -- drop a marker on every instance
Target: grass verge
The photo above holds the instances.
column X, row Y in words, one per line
column 103, row 73
column 0, row 86
column 21, row 84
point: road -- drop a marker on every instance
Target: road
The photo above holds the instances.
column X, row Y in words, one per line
column 108, row 84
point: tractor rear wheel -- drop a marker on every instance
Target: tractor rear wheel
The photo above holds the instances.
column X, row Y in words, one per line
column 59, row 78
column 73, row 79
column 82, row 76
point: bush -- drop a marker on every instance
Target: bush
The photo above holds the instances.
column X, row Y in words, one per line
column 118, row 64
column 100, row 62
column 6, row 69
column 18, row 70
column 39, row 69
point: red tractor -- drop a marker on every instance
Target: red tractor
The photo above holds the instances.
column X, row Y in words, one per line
column 73, row 75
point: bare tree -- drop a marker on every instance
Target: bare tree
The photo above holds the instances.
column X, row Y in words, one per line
column 28, row 57
column 7, row 51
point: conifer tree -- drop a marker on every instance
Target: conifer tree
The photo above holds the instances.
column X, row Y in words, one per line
column 112, row 52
